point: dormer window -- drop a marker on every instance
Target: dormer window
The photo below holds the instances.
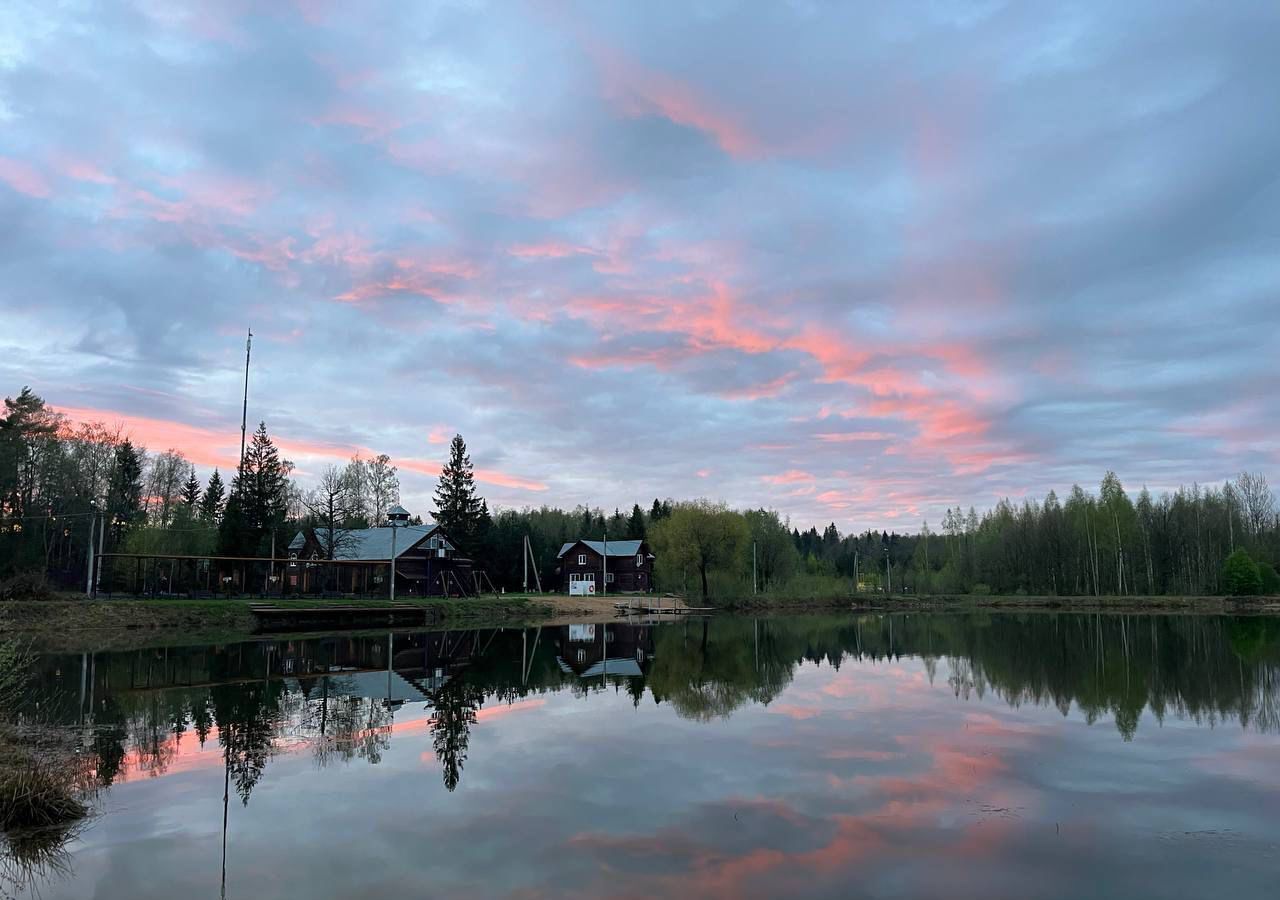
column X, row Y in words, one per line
column 582, row 559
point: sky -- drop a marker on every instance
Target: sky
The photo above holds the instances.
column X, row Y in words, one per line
column 855, row 262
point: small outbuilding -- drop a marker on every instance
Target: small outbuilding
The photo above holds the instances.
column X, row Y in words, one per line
column 590, row 567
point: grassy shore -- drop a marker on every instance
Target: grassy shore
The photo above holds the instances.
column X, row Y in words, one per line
column 76, row 624
column 122, row 623
column 964, row 602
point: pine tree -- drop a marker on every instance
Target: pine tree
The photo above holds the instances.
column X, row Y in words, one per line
column 458, row 509
column 191, row 492
column 211, row 503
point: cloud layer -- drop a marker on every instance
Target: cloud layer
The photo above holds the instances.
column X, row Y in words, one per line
column 856, row 262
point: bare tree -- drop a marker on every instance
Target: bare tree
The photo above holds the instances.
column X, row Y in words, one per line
column 165, row 475
column 1257, row 502
column 384, row 487
column 332, row 505
column 356, row 474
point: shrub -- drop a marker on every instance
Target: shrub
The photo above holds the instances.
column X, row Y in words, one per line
column 1240, row 575
column 1270, row 579
column 26, row 586
column 981, row 590
column 38, row 794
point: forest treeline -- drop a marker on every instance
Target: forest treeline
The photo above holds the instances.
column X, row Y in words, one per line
column 59, row 479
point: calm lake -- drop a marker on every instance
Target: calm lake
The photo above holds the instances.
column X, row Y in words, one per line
column 1033, row 755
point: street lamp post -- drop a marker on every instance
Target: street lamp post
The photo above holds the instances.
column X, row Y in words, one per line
column 398, row 516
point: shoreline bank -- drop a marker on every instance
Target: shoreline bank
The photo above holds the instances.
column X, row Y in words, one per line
column 60, row 625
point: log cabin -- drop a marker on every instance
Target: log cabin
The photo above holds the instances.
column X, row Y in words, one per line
column 630, row 568
column 427, row 562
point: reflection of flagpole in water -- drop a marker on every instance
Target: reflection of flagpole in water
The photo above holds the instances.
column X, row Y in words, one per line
column 536, row 637
column 226, row 791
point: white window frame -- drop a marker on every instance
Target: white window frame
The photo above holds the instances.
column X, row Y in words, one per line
column 582, row 559
column 639, row 560
column 608, row 578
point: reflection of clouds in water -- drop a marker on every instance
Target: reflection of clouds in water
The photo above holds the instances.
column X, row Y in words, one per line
column 803, row 764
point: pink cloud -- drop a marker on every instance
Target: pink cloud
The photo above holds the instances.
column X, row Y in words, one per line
column 547, row 250
column 791, row 476
column 639, row 91
column 23, row 178
column 848, row 437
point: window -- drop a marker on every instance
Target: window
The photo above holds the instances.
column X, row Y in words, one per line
column 608, row 578
column 639, row 560
column 582, row 559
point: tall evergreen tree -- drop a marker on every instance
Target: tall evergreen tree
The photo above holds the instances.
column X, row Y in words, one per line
column 191, row 492
column 458, row 507
column 124, row 490
column 636, row 525
column 213, row 499
column 259, row 498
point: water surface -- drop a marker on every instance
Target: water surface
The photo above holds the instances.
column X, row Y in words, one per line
column 836, row 756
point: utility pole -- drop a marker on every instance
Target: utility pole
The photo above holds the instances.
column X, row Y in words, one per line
column 855, row 571
column 244, row 412
column 524, row 557
column 754, row 583
column 888, row 575
column 102, row 546
column 88, row 584
column 604, row 588
column 393, row 563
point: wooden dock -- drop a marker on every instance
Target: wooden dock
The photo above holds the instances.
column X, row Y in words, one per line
column 650, row 608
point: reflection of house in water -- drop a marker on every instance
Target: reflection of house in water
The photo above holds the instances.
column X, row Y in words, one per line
column 399, row 668
column 604, row 648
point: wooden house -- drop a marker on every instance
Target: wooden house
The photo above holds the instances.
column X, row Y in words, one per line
column 427, row 562
column 583, row 570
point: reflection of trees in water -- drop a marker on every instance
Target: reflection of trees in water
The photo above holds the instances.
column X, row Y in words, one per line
column 340, row 727
column 454, row 708
column 249, row 721
column 707, row 670
column 1207, row 669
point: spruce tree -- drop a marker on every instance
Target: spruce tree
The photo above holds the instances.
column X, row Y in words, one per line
column 191, row 492
column 259, row 497
column 636, row 525
column 458, row 508
column 211, row 503
column 124, row 490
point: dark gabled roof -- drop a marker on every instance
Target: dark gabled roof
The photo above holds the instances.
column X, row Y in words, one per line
column 616, row 548
column 372, row 544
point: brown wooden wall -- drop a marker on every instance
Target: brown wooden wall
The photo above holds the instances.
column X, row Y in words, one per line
column 627, row 576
